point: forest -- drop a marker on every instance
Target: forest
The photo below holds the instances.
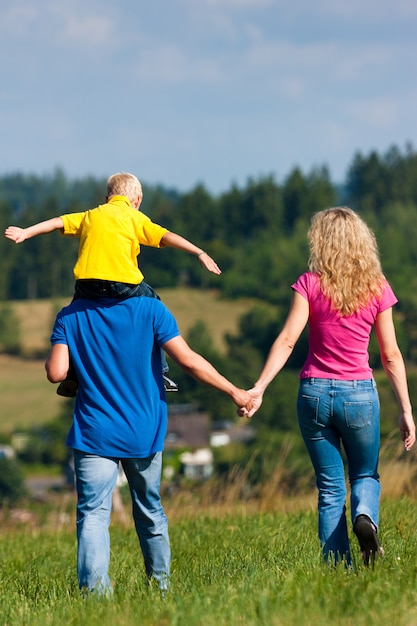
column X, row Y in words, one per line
column 256, row 233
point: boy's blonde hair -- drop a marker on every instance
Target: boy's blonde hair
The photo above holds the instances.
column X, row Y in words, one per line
column 344, row 253
column 124, row 184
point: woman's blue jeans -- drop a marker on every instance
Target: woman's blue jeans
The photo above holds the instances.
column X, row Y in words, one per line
column 95, row 480
column 332, row 413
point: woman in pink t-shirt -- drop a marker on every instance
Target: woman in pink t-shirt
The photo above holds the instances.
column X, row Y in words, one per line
column 342, row 297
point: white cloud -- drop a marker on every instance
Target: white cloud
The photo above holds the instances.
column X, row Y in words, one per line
column 378, row 112
column 48, row 23
column 234, row 4
column 374, row 10
column 174, row 65
column 79, row 27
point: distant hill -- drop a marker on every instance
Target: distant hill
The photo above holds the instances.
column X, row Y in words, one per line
column 188, row 305
column 29, row 399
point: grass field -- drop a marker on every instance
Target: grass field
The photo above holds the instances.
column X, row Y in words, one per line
column 236, row 562
column 228, row 570
column 27, row 397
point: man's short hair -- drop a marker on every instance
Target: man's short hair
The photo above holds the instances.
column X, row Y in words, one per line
column 124, row 184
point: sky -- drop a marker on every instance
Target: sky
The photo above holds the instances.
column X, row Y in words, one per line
column 212, row 92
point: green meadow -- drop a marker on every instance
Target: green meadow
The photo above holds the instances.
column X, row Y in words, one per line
column 237, row 559
column 229, row 568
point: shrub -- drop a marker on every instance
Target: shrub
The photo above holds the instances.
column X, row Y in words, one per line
column 12, row 486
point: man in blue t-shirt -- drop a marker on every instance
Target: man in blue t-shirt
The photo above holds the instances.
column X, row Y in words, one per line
column 120, row 415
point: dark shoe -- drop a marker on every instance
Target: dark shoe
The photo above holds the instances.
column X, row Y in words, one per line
column 169, row 384
column 367, row 535
column 68, row 388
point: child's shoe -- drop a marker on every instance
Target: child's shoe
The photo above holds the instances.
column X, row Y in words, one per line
column 68, row 388
column 169, row 384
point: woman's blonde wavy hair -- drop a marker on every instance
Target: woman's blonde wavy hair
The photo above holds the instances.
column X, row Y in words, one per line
column 344, row 253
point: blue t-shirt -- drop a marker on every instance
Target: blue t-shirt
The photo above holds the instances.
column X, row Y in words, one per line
column 120, row 409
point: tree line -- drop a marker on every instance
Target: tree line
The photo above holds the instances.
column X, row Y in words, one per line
column 257, row 234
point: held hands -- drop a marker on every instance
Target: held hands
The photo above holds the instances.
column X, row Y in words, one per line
column 243, row 401
column 209, row 263
column 256, row 400
column 15, row 233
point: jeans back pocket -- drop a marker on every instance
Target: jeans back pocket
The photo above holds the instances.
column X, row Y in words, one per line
column 358, row 414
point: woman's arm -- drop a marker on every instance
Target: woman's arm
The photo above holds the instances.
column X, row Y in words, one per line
column 281, row 348
column 393, row 364
column 18, row 235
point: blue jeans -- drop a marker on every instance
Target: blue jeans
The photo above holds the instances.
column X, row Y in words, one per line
column 332, row 413
column 95, row 480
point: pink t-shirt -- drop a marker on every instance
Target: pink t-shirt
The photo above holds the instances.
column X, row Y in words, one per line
column 338, row 346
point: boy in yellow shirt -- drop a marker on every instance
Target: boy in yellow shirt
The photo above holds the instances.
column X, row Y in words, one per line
column 110, row 239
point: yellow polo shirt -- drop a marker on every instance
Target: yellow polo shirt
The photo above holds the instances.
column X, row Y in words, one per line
column 110, row 239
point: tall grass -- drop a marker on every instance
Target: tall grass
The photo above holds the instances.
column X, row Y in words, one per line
column 239, row 558
column 234, row 570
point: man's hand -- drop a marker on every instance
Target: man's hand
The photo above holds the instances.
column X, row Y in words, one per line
column 243, row 401
column 256, row 400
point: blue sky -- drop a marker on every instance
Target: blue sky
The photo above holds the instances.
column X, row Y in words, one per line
column 182, row 92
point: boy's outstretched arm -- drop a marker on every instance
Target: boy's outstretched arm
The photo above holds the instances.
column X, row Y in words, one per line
column 18, row 235
column 176, row 241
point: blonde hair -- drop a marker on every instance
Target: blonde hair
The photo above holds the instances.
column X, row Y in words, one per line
column 344, row 253
column 124, row 184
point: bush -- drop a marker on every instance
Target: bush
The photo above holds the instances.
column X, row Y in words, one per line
column 9, row 331
column 12, row 486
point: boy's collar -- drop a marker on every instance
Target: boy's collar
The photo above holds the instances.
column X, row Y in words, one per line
column 124, row 199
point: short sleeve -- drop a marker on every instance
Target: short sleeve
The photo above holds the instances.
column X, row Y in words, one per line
column 388, row 298
column 58, row 332
column 73, row 223
column 304, row 284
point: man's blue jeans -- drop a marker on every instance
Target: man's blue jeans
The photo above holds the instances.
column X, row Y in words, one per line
column 332, row 413
column 95, row 480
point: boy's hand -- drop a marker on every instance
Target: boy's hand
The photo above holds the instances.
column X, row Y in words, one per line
column 15, row 233
column 209, row 263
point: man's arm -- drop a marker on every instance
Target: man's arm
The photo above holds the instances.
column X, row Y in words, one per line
column 18, row 235
column 57, row 363
column 199, row 368
column 180, row 243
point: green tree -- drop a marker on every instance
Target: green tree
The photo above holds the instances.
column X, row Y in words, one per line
column 266, row 266
column 376, row 181
column 295, row 195
column 304, row 195
column 250, row 212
